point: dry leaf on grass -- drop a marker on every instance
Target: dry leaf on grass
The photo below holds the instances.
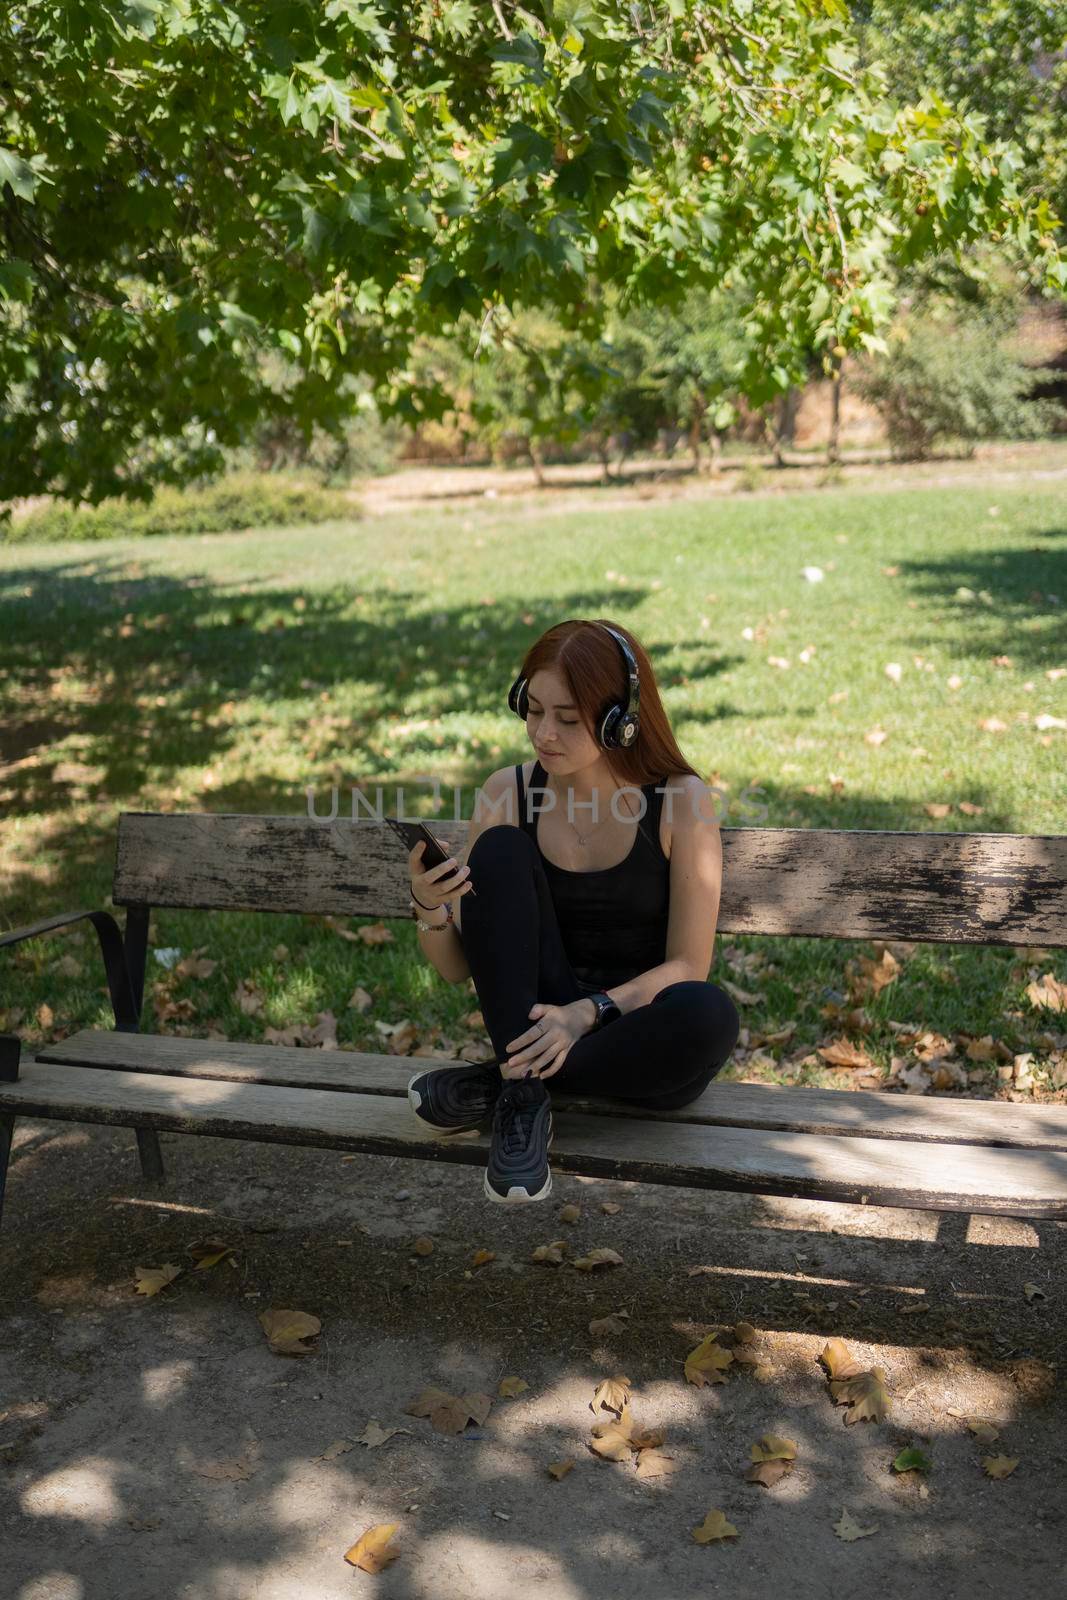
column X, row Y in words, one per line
column 842, row 1053
column 1047, row 993
column 372, row 1550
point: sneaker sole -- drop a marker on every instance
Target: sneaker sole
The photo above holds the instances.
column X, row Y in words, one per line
column 415, row 1100
column 517, row 1194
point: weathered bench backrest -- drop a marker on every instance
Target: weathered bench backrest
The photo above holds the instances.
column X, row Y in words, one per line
column 980, row 888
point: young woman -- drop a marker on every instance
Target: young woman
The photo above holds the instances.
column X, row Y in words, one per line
column 597, row 868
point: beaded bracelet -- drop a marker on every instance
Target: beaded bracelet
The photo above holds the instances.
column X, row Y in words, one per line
column 430, row 927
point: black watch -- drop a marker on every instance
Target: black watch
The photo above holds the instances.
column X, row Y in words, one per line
column 606, row 1009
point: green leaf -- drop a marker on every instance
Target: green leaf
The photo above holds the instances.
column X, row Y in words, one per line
column 17, row 174
column 912, row 1460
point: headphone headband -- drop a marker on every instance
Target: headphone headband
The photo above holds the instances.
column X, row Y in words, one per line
column 619, row 723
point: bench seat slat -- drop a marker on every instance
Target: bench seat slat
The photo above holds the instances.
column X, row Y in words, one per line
column 823, row 1111
column 944, row 1177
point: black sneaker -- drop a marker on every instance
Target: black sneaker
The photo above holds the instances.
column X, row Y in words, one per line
column 455, row 1099
column 518, row 1148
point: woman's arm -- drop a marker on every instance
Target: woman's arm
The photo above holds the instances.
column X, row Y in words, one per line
column 444, row 951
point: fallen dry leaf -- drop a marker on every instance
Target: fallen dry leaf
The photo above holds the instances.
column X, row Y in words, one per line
column 714, row 1526
column 865, row 1394
column 707, row 1362
column 150, row 1280
column 449, row 1413
column 208, row 1253
column 481, row 1258
column 842, row 1053
column 654, row 1464
column 610, row 1208
column 612, row 1394
column 552, row 1253
column 374, row 933
column 372, row 1550
column 773, row 1448
column 509, row 1388
column 570, row 1213
column 611, row 1440
column 374, row 1434
column 601, row 1326
column 848, row 1528
column 598, row 1258
column 768, row 1473
column 1047, row 993
column 984, row 1430
column 560, row 1469
column 339, row 1447
column 1033, row 1292
column 424, row 1245
column 838, row 1359
column 1000, row 1466
column 287, row 1330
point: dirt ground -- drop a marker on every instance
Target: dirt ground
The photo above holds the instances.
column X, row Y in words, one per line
column 568, row 487
column 156, row 1448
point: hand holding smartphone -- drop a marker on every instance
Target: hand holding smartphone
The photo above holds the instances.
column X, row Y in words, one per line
column 433, row 859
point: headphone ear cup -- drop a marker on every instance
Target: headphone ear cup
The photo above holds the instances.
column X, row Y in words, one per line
column 608, row 726
column 518, row 700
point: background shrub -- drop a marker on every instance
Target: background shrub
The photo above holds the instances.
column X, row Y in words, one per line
column 234, row 504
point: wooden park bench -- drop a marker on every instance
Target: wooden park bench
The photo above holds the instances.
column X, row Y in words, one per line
column 881, row 1148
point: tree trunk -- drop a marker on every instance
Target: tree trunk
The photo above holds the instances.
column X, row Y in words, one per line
column 833, row 444
column 533, row 450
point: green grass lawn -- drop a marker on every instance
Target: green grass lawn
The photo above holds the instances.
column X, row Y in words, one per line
column 227, row 673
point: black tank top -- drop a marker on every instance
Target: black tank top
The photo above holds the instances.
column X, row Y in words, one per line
column 613, row 920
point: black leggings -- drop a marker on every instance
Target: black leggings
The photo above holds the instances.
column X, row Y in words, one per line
column 660, row 1055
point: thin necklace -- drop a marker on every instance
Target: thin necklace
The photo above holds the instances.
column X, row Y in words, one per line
column 583, row 838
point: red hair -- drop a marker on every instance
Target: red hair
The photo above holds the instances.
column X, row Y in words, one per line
column 592, row 666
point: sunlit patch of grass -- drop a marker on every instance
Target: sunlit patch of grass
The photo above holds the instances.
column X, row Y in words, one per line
column 228, row 675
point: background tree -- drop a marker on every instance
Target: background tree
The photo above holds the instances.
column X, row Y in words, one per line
column 186, row 184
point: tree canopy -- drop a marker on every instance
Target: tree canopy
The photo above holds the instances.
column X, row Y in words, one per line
column 188, row 184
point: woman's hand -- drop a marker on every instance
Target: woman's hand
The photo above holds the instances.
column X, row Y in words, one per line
column 542, row 1049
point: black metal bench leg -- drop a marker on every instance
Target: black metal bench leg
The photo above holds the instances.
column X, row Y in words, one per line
column 7, row 1129
column 151, row 1155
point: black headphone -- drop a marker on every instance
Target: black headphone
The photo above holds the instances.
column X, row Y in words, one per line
column 619, row 724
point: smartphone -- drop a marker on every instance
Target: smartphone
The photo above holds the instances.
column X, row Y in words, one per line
column 412, row 833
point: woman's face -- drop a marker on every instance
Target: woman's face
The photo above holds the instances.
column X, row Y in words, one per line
column 554, row 725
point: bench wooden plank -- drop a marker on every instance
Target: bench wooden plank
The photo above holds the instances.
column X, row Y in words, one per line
column 943, row 1177
column 769, row 1106
column 984, row 888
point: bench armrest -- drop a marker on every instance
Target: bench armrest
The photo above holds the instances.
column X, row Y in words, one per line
column 111, row 948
